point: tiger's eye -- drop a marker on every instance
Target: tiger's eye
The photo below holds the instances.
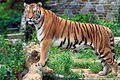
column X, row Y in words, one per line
column 34, row 9
column 28, row 9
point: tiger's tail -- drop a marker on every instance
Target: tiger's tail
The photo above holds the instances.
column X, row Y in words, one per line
column 112, row 45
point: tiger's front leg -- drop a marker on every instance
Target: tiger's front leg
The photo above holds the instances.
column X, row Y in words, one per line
column 45, row 45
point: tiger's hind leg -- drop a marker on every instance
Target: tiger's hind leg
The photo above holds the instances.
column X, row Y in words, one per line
column 108, row 59
column 105, row 68
column 104, row 63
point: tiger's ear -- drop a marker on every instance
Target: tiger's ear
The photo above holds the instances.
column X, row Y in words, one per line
column 39, row 4
column 25, row 4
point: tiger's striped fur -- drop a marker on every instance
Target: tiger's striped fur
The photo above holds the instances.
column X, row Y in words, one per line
column 55, row 31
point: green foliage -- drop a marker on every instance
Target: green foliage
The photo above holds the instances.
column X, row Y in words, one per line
column 85, row 53
column 61, row 62
column 6, row 73
column 9, row 19
column 12, row 57
column 117, row 49
column 88, row 18
column 96, row 67
column 81, row 64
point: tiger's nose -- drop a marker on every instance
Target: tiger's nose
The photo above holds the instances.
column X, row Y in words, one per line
column 29, row 19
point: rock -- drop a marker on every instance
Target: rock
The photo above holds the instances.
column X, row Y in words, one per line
column 32, row 76
column 99, row 8
column 89, row 5
column 32, row 55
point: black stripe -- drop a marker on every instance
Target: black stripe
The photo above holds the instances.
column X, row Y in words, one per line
column 106, row 54
column 110, row 60
column 113, row 50
column 61, row 21
column 70, row 45
column 68, row 36
column 83, row 27
column 87, row 30
column 101, row 41
column 46, row 34
column 56, row 18
column 81, row 32
column 96, row 27
column 75, row 38
column 96, row 53
column 52, row 13
column 62, row 42
column 101, row 53
column 77, row 27
column 91, row 28
column 48, row 11
column 103, row 61
column 85, row 41
column 80, row 42
column 91, row 35
column 93, row 31
column 64, row 28
column 96, row 35
column 92, row 47
column 41, row 24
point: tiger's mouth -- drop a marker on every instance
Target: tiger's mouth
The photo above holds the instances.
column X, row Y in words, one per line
column 30, row 21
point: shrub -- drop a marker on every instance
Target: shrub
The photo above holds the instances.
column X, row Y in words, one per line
column 12, row 57
column 9, row 18
column 88, row 18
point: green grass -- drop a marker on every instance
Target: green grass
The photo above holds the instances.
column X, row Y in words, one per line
column 61, row 61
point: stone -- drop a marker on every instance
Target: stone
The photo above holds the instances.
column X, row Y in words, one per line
column 69, row 0
column 74, row 4
column 32, row 76
column 93, row 10
column 99, row 8
column 113, row 4
column 84, row 11
column 32, row 55
column 85, row 0
column 92, row 0
column 102, row 2
column 89, row 5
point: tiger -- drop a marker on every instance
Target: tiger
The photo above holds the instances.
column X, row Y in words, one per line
column 54, row 31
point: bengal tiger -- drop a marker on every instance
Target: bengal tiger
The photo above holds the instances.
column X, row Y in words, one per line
column 55, row 31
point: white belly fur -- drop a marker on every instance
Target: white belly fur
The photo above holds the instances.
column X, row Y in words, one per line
column 57, row 42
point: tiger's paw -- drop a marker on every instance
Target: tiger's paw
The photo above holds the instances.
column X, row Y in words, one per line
column 101, row 73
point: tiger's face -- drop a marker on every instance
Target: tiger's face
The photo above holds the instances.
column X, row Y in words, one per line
column 33, row 12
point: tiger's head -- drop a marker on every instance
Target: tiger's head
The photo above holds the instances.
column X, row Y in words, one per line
column 33, row 12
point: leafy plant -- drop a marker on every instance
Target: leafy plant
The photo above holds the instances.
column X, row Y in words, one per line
column 96, row 67
column 9, row 18
column 12, row 57
column 88, row 18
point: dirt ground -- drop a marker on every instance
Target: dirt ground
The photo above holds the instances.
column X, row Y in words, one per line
column 89, row 75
